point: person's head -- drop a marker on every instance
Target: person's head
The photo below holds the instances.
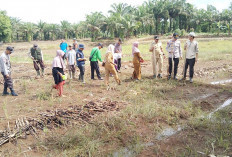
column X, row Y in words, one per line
column 136, row 44
column 110, row 48
column 191, row 35
column 175, row 36
column 74, row 40
column 156, row 38
column 60, row 53
column 62, row 40
column 70, row 47
column 81, row 47
column 35, row 46
column 100, row 46
column 119, row 41
column 9, row 50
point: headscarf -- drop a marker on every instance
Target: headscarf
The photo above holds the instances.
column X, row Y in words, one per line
column 135, row 48
column 110, row 49
column 58, row 60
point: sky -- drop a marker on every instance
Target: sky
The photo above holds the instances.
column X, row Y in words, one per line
column 54, row 11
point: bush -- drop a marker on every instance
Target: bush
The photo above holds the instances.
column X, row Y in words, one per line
column 183, row 32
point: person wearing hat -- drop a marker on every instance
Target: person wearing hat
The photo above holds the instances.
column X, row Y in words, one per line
column 191, row 47
column 175, row 54
column 75, row 44
column 36, row 55
column 81, row 62
column 70, row 56
column 118, row 54
column 94, row 57
column 157, row 57
column 5, row 67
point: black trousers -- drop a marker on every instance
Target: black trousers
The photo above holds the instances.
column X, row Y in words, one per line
column 189, row 63
column 176, row 63
column 82, row 69
column 119, row 63
column 56, row 76
column 94, row 66
column 8, row 82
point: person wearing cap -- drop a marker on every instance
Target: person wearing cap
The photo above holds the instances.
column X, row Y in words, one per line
column 70, row 56
column 191, row 47
column 175, row 54
column 95, row 56
column 157, row 57
column 75, row 44
column 36, row 55
column 5, row 67
column 81, row 62
column 63, row 45
column 118, row 54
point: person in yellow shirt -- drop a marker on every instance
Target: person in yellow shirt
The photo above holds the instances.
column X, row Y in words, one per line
column 137, row 59
column 157, row 57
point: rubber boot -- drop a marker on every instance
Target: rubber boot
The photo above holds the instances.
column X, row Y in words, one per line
column 38, row 74
column 13, row 92
column 42, row 73
column 70, row 75
column 154, row 76
column 5, row 90
column 191, row 80
column 169, row 77
column 82, row 79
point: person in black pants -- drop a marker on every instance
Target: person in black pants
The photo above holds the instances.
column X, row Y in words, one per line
column 175, row 52
column 192, row 50
column 95, row 56
column 118, row 54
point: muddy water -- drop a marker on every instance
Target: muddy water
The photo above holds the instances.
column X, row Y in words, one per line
column 221, row 82
column 167, row 132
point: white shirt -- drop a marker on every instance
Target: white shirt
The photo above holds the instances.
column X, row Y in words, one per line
column 5, row 65
column 174, row 49
column 71, row 55
column 192, row 49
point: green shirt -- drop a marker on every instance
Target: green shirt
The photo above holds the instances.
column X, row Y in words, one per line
column 97, row 54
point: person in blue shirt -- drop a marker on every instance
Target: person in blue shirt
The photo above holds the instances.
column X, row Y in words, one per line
column 63, row 45
column 81, row 61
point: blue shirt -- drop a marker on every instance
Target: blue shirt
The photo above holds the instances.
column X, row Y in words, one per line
column 80, row 54
column 63, row 47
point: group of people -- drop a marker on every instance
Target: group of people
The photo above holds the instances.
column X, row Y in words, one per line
column 73, row 53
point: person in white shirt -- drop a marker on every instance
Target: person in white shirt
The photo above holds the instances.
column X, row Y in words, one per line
column 71, row 58
column 191, row 47
column 175, row 54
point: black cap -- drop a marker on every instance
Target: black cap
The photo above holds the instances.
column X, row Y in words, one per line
column 176, row 35
column 11, row 49
column 156, row 37
column 35, row 45
column 100, row 44
column 120, row 40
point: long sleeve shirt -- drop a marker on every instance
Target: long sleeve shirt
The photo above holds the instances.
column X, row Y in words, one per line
column 71, row 56
column 5, row 65
column 29, row 55
column 192, row 49
column 80, row 55
column 174, row 49
column 96, row 53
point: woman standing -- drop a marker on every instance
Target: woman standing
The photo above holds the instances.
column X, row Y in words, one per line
column 58, row 67
column 109, row 65
column 137, row 59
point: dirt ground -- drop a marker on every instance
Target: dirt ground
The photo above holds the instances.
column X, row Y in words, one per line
column 35, row 97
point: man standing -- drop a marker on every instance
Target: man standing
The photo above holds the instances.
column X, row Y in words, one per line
column 70, row 55
column 81, row 62
column 37, row 56
column 175, row 52
column 95, row 56
column 157, row 57
column 75, row 44
column 118, row 54
column 191, row 47
column 5, row 67
column 63, row 45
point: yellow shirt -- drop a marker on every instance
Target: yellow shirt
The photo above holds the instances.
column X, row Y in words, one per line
column 156, row 49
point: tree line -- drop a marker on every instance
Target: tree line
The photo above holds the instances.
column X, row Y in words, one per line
column 124, row 21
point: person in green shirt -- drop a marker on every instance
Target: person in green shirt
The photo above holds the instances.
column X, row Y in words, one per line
column 96, row 55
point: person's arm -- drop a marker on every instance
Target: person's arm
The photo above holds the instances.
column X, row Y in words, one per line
column 29, row 55
column 168, row 47
column 99, row 55
column 185, row 46
column 180, row 51
column 197, row 50
column 42, row 55
column 151, row 47
column 3, row 66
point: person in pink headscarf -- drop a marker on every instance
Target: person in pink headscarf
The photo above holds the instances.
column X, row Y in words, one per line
column 137, row 59
column 58, row 67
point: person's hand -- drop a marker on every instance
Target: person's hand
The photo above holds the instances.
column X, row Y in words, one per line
column 181, row 57
column 32, row 58
column 164, row 56
column 7, row 76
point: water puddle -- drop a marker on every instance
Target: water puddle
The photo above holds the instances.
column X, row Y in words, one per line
column 225, row 104
column 221, row 82
column 166, row 133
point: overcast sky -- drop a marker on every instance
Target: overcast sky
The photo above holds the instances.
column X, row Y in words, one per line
column 53, row 11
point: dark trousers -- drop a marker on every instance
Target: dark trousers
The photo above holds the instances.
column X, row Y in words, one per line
column 56, row 76
column 119, row 63
column 8, row 82
column 94, row 66
column 72, row 68
column 36, row 66
column 189, row 63
column 82, row 69
column 176, row 63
